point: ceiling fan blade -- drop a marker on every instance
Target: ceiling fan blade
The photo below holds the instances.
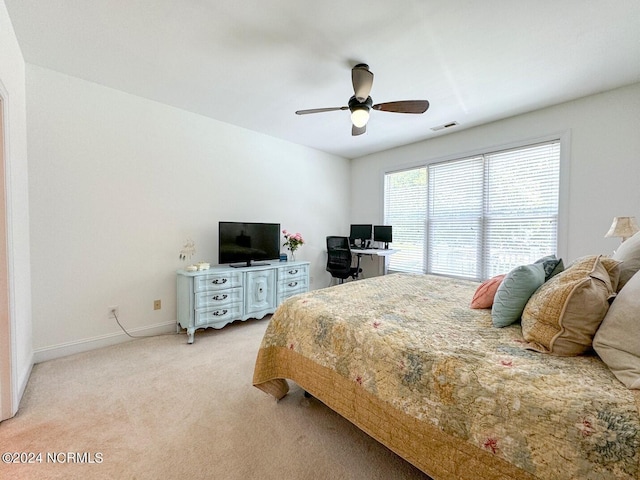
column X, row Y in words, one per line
column 358, row 130
column 320, row 110
column 403, row 106
column 362, row 79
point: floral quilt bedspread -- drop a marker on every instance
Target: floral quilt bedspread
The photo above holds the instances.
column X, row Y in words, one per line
column 413, row 342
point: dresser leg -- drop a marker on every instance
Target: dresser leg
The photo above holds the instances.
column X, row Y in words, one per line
column 190, row 334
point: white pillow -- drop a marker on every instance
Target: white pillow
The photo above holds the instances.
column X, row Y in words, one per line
column 629, row 254
column 617, row 341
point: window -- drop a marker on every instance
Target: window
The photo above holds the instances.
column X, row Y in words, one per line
column 475, row 217
column 405, row 206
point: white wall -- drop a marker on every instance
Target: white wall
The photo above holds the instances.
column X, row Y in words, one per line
column 117, row 185
column 12, row 82
column 604, row 163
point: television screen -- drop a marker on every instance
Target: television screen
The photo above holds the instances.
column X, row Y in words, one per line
column 244, row 243
column 383, row 233
column 360, row 232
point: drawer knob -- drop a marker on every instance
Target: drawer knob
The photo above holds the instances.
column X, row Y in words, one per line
column 220, row 297
column 293, row 272
column 219, row 313
column 293, row 284
column 219, row 281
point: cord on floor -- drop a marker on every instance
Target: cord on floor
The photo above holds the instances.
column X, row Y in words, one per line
column 139, row 336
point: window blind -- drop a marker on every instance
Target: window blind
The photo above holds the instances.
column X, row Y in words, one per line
column 454, row 217
column 405, row 199
column 478, row 216
column 521, row 206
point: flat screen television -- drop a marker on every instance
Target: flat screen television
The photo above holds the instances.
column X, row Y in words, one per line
column 383, row 233
column 241, row 244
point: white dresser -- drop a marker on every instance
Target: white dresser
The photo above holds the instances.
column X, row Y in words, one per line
column 223, row 294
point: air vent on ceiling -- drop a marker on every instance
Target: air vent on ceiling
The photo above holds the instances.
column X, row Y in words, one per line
column 446, row 125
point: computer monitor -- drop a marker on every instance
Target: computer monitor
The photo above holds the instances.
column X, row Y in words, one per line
column 360, row 234
column 383, row 233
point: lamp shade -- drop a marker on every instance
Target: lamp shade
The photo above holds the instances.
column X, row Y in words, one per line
column 623, row 227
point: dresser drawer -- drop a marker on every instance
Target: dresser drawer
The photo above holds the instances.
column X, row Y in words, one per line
column 218, row 298
column 291, row 292
column 286, row 274
column 211, row 316
column 295, row 284
column 217, row 281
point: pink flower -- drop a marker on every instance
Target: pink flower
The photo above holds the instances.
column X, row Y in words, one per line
column 292, row 240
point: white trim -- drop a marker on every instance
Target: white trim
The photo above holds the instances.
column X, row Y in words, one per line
column 22, row 381
column 483, row 150
column 563, row 201
column 78, row 346
column 15, row 390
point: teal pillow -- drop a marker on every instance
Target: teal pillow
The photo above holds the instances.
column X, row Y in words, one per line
column 552, row 266
column 514, row 293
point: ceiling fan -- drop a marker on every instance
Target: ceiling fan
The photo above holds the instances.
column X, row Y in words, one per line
column 360, row 103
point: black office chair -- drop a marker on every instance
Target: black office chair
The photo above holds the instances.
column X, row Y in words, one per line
column 339, row 259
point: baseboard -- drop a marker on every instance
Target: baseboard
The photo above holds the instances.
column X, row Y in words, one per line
column 64, row 349
column 23, row 380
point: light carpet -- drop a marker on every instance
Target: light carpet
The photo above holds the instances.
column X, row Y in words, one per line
column 157, row 408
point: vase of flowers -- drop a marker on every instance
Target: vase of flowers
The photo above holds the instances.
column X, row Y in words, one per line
column 292, row 241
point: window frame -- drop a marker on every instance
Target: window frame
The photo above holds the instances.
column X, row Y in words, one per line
column 564, row 139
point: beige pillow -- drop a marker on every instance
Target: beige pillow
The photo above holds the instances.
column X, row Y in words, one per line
column 629, row 254
column 563, row 315
column 618, row 338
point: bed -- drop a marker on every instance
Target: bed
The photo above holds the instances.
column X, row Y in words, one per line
column 405, row 359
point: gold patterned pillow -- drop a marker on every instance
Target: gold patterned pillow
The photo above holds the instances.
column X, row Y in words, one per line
column 563, row 315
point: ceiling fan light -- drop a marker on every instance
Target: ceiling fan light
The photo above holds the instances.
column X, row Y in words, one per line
column 360, row 116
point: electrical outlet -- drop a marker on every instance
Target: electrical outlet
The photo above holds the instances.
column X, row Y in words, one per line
column 310, row 280
column 114, row 311
column 157, row 304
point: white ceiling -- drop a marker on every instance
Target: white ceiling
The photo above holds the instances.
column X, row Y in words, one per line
column 253, row 63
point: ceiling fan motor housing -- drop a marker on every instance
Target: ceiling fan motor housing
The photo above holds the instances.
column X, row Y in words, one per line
column 354, row 104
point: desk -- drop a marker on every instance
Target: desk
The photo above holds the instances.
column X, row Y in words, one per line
column 380, row 252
